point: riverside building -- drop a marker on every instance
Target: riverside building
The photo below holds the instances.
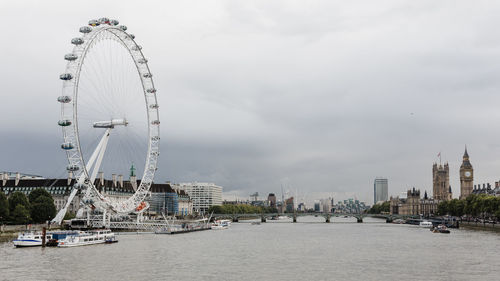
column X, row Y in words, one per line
column 466, row 176
column 380, row 190
column 60, row 189
column 271, row 198
column 203, row 195
column 169, row 201
column 175, row 201
column 441, row 189
column 413, row 204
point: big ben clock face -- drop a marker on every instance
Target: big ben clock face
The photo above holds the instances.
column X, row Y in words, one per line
column 468, row 174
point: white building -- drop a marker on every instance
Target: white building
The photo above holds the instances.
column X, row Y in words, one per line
column 326, row 205
column 203, row 195
column 380, row 190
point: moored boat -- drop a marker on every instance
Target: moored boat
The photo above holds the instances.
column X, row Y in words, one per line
column 440, row 229
column 426, row 224
column 30, row 239
column 221, row 224
column 85, row 238
column 59, row 235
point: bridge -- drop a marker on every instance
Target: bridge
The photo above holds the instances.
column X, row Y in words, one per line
column 265, row 216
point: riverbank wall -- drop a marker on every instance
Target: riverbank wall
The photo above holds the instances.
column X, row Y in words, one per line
column 480, row 225
column 25, row 227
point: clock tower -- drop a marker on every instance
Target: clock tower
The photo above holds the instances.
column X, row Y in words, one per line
column 466, row 176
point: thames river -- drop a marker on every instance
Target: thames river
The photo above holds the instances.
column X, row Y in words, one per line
column 307, row 250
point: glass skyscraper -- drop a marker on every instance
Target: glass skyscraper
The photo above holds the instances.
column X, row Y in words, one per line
column 380, row 190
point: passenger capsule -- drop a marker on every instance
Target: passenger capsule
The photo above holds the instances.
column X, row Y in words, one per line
column 136, row 48
column 142, row 60
column 114, row 22
column 67, row 146
column 123, row 27
column 156, row 122
column 85, row 29
column 70, row 57
column 64, row 123
column 79, row 186
column 77, row 41
column 104, row 21
column 94, row 22
column 151, row 90
column 64, row 99
column 154, row 106
column 147, row 75
column 66, row 76
column 72, row 168
column 132, row 36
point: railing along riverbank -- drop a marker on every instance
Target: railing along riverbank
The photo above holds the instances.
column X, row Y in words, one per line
column 481, row 225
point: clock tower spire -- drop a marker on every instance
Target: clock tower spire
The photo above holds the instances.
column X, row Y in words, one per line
column 466, row 176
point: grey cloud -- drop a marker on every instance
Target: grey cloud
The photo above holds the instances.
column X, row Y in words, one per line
column 325, row 94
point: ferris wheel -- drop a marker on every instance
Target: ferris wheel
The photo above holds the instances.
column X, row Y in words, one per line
column 108, row 106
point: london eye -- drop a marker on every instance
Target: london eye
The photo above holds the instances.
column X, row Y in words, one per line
column 109, row 115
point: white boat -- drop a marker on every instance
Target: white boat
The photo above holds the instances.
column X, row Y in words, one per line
column 426, row 224
column 30, row 239
column 279, row 218
column 221, row 224
column 84, row 238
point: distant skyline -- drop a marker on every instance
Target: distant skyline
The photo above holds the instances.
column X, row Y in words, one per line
column 319, row 96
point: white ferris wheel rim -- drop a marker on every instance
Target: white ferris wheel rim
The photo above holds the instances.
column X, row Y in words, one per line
column 69, row 112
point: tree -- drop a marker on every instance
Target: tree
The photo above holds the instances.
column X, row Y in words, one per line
column 442, row 208
column 42, row 205
column 43, row 209
column 379, row 208
column 460, row 208
column 4, row 207
column 69, row 216
column 37, row 193
column 20, row 214
column 18, row 198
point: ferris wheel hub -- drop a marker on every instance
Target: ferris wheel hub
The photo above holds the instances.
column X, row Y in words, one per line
column 111, row 124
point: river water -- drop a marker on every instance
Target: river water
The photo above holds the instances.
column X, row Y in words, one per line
column 307, row 250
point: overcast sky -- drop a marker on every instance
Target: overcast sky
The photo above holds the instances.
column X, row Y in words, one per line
column 318, row 96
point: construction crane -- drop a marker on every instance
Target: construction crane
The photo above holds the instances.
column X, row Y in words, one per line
column 254, row 196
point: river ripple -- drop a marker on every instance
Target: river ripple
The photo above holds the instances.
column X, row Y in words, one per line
column 308, row 250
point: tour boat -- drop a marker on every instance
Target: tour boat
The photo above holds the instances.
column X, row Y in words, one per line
column 440, row 229
column 399, row 221
column 221, row 224
column 83, row 238
column 279, row 217
column 426, row 224
column 59, row 235
column 30, row 239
